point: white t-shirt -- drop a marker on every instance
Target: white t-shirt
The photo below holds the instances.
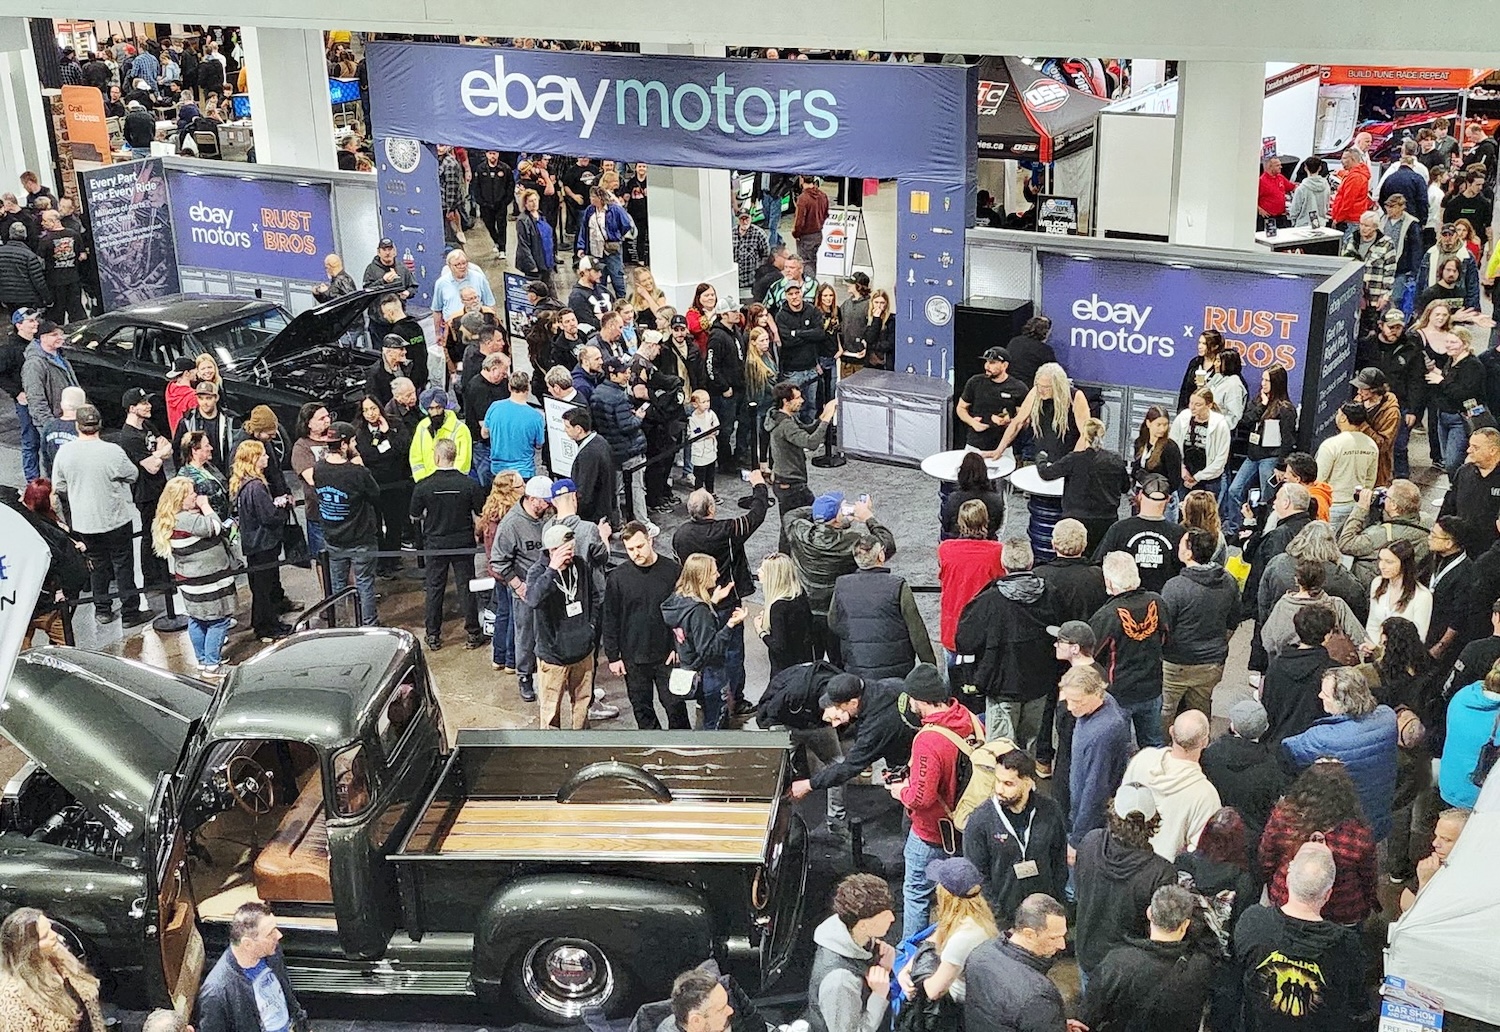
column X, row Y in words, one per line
column 965, row 939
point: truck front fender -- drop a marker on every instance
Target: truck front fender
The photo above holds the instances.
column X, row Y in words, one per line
column 631, row 917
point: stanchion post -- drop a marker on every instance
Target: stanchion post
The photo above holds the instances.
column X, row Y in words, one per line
column 754, row 407
column 830, row 459
column 170, row 622
column 325, row 574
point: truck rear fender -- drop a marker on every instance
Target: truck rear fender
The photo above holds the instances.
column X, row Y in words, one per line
column 630, row 917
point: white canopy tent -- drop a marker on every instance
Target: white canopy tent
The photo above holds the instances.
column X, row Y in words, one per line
column 1449, row 941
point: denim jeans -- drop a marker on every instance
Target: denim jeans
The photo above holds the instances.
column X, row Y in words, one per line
column 713, row 682
column 807, row 381
column 1252, row 473
column 503, row 640
column 771, row 208
column 1454, row 435
column 208, row 637
column 523, row 616
column 1145, row 717
column 479, row 468
column 916, row 890
column 31, row 445
column 614, row 271
column 360, row 562
column 1021, row 722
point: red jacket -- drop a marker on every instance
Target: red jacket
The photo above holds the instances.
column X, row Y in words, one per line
column 811, row 211
column 965, row 566
column 180, row 401
column 932, row 791
column 1271, row 193
column 1353, row 198
column 1353, row 847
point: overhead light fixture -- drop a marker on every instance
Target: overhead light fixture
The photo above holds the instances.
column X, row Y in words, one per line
column 1179, row 265
column 1081, row 257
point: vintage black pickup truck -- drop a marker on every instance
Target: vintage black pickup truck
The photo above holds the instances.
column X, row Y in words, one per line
column 543, row 872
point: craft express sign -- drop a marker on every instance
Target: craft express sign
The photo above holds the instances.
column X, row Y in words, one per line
column 1137, row 324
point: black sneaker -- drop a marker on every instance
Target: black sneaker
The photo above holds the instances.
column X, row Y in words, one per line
column 434, row 643
column 476, row 641
column 528, row 693
column 136, row 617
column 105, row 617
column 289, row 605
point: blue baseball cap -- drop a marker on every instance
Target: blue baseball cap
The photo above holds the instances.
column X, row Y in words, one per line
column 20, row 315
column 562, row 486
column 826, row 507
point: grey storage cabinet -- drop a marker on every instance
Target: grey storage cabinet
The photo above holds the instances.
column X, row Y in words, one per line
column 894, row 417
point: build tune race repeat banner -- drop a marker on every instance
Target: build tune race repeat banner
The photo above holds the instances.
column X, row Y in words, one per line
column 261, row 226
column 1136, row 324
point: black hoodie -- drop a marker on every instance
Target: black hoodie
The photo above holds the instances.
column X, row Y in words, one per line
column 1299, row 975
column 1004, row 630
column 1114, row 884
column 1148, row 986
column 1204, row 605
column 1131, row 629
column 879, row 733
column 1248, row 776
column 1290, row 693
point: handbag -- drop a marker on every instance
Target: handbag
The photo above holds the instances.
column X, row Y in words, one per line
column 611, row 247
column 1477, row 416
column 294, row 543
column 1489, row 752
column 682, row 682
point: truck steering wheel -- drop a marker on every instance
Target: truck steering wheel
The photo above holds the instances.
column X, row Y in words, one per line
column 256, row 794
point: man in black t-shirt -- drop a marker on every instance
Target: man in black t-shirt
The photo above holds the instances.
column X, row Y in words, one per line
column 1149, row 538
column 989, row 401
column 348, row 501
column 1469, row 203
column 633, row 196
column 152, row 453
column 577, row 180
column 61, row 252
column 445, row 505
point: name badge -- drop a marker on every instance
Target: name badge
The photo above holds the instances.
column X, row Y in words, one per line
column 576, row 609
column 385, row 446
column 1255, row 438
column 1025, row 869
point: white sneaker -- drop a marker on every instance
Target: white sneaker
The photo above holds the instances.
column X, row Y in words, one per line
column 603, row 711
column 652, row 530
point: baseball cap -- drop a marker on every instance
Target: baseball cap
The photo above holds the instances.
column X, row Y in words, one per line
column 1370, row 378
column 134, row 396
column 45, row 327
column 181, row 364
column 206, row 389
column 538, row 288
column 562, row 486
column 678, row 320
column 615, row 364
column 585, row 264
column 1448, row 227
column 1394, row 315
column 1248, row 719
column 956, row 874
column 539, row 487
column 20, row 315
column 1075, row 632
column 394, row 340
column 343, row 431
column 744, row 215
column 1155, row 486
column 385, row 242
column 1135, row 797
column 997, row 354
column 794, row 285
column 555, row 535
column 826, row 507
column 88, row 418
column 858, row 278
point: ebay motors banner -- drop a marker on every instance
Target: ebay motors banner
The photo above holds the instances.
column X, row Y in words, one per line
column 849, row 118
column 261, row 226
column 1136, row 324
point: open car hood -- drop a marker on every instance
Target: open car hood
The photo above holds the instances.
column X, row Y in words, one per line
column 106, row 728
column 324, row 324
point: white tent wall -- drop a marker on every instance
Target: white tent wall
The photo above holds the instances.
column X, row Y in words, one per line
column 1073, row 176
column 1448, row 942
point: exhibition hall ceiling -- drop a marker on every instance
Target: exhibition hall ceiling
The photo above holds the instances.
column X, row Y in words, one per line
column 1223, row 30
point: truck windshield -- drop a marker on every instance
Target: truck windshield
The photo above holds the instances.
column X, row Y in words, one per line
column 236, row 345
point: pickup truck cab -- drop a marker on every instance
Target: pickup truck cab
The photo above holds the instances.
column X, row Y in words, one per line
column 544, row 872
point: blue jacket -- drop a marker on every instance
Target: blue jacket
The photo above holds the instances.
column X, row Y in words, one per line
column 617, row 223
column 1471, row 723
column 616, row 421
column 1367, row 747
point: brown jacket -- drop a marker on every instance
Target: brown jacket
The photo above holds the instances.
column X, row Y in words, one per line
column 17, row 1015
column 1381, row 425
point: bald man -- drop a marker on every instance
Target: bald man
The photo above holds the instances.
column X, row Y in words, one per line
column 1185, row 798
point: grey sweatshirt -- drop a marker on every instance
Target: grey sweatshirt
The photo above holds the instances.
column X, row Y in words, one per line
column 518, row 544
column 94, row 476
column 842, row 998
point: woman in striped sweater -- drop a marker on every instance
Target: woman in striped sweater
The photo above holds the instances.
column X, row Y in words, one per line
column 190, row 536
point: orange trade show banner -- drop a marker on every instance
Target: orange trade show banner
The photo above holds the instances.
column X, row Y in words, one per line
column 83, row 114
column 1412, row 78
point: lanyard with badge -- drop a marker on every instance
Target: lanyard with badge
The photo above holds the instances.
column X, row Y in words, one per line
column 1024, row 868
column 569, row 588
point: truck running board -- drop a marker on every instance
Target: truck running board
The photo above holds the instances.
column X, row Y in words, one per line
column 438, row 966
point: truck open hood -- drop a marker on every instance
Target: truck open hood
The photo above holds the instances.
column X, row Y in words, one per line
column 106, row 728
column 324, row 324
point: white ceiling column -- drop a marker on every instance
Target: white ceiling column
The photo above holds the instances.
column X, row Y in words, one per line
column 289, row 103
column 1217, row 153
column 23, row 127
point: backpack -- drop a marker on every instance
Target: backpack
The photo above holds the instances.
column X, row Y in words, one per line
column 976, row 768
column 1215, row 913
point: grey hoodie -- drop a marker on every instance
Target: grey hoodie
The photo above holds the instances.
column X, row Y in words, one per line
column 841, row 998
column 518, row 543
column 1310, row 202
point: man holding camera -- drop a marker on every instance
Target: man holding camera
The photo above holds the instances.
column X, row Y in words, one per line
column 1399, row 508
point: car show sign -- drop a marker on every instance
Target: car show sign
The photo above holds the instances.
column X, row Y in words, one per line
column 268, row 227
column 132, row 230
column 24, row 561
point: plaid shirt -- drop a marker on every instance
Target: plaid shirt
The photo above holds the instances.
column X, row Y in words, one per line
column 1353, row 847
column 451, row 181
column 1380, row 265
column 750, row 250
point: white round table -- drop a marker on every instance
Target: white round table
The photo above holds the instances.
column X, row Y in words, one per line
column 1042, row 499
column 944, row 465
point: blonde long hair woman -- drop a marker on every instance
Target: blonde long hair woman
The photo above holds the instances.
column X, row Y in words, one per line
column 43, row 987
column 187, row 533
column 964, row 922
column 785, row 624
column 505, row 491
column 1054, row 409
column 647, row 300
column 263, row 522
column 700, row 634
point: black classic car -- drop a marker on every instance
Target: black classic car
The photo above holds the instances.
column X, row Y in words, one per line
column 266, row 355
column 543, row 872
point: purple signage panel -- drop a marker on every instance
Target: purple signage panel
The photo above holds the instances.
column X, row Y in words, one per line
column 1136, row 324
column 411, row 208
column 245, row 224
column 824, row 117
column 132, row 232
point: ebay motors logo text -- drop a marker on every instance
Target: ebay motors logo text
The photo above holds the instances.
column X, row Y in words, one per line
column 1123, row 330
column 691, row 106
